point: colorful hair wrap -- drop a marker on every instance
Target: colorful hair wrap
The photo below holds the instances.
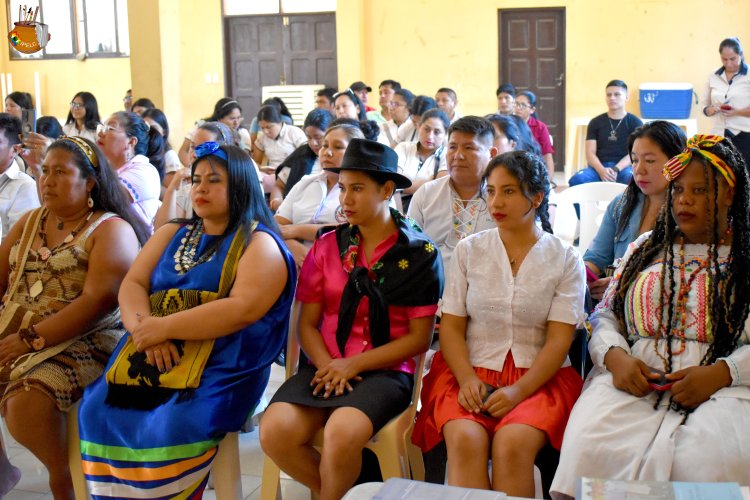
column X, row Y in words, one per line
column 84, row 147
column 695, row 145
column 210, row 148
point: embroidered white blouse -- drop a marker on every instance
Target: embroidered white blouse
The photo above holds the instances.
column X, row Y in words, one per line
column 508, row 313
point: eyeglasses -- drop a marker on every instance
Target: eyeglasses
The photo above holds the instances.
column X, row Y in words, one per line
column 76, row 105
column 103, row 129
column 523, row 105
column 396, row 104
column 127, row 98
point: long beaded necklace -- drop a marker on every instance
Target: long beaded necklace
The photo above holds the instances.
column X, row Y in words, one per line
column 680, row 318
column 44, row 253
column 184, row 257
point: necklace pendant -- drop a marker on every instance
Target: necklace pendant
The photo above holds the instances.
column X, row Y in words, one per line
column 178, row 267
column 68, row 238
column 612, row 136
column 44, row 253
column 36, row 288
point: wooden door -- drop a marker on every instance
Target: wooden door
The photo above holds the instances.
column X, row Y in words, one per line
column 278, row 50
column 532, row 57
column 254, row 45
column 310, row 50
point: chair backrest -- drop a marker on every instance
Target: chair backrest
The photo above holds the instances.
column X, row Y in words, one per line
column 593, row 199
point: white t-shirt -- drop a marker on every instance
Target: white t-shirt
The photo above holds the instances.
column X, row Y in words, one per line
column 284, row 172
column 171, row 162
column 18, row 195
column 70, row 130
column 276, row 150
column 510, row 313
column 141, row 180
column 436, row 208
column 412, row 167
column 406, row 132
column 310, row 202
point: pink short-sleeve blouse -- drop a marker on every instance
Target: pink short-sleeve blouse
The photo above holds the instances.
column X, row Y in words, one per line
column 322, row 280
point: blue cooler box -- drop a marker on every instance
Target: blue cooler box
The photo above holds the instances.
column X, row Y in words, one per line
column 666, row 100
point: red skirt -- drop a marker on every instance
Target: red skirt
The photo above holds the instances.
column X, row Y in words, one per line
column 547, row 409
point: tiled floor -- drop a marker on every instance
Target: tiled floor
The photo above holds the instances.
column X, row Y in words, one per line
column 33, row 483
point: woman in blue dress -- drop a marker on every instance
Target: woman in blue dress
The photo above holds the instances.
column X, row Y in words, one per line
column 205, row 322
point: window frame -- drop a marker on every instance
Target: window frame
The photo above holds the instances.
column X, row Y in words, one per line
column 79, row 37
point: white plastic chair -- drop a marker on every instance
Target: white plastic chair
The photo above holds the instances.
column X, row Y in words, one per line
column 225, row 469
column 392, row 445
column 575, row 147
column 593, row 199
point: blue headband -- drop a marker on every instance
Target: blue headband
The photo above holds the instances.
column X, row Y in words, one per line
column 210, row 148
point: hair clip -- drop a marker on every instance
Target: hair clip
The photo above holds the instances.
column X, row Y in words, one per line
column 210, row 149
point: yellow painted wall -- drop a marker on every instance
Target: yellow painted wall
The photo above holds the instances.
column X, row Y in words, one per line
column 61, row 79
column 428, row 44
column 425, row 44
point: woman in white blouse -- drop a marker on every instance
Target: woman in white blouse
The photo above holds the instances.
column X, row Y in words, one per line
column 424, row 160
column 83, row 117
column 276, row 141
column 501, row 386
column 727, row 97
column 314, row 201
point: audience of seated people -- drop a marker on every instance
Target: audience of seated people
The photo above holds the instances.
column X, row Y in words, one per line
column 477, row 191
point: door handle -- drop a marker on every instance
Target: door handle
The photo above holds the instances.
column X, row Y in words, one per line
column 559, row 79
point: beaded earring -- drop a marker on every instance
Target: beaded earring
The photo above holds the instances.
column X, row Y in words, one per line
column 90, row 201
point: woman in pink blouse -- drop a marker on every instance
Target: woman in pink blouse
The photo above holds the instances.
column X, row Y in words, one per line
column 526, row 109
column 369, row 291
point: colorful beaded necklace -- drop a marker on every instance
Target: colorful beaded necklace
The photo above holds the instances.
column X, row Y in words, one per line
column 184, row 257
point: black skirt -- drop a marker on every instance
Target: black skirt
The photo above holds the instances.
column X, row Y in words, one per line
column 381, row 394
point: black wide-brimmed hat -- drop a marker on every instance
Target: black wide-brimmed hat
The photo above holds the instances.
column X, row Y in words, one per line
column 373, row 157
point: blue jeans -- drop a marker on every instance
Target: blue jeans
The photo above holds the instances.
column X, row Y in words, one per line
column 588, row 174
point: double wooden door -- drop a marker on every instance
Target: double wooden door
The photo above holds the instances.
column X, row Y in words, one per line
column 278, row 50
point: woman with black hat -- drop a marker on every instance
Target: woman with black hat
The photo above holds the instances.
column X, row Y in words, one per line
column 369, row 292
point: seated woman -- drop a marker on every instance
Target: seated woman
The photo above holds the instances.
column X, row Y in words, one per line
column 276, row 141
column 60, row 270
column 125, row 140
column 501, row 386
column 525, row 108
column 677, row 305
column 155, row 118
column 635, row 211
column 369, row 291
column 83, row 117
column 507, row 135
column 303, row 160
column 177, row 203
column 194, row 298
column 314, row 201
column 424, row 160
column 227, row 111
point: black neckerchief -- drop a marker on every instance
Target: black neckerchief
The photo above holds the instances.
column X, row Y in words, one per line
column 410, row 273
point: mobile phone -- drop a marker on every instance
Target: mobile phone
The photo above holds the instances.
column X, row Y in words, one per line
column 490, row 389
column 725, row 107
column 28, row 122
column 662, row 384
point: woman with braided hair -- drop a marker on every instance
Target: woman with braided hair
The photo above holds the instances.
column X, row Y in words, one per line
column 678, row 304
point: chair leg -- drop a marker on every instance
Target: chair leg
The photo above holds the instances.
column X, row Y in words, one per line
column 416, row 464
column 270, row 487
column 74, row 454
column 226, row 468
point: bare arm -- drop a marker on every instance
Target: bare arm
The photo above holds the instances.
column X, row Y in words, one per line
column 15, row 233
column 169, row 209
column 257, row 154
column 624, row 162
column 545, row 366
column 277, row 194
column 184, row 152
column 247, row 302
column 310, row 338
column 604, row 173
column 136, row 287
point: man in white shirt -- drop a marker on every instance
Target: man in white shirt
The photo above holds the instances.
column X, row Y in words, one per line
column 386, row 89
column 18, row 192
column 453, row 207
